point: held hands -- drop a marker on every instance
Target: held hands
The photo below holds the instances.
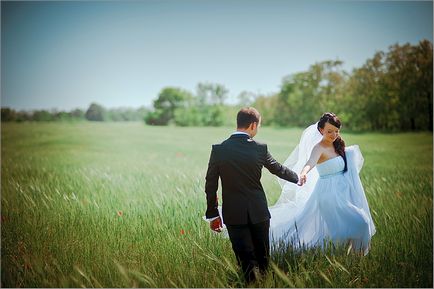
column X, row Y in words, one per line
column 302, row 180
column 216, row 225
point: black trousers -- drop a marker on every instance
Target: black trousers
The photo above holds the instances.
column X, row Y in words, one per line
column 251, row 245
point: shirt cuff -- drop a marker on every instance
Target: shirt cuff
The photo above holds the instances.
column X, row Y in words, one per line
column 212, row 219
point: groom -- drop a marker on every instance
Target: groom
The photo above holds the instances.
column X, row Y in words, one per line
column 238, row 162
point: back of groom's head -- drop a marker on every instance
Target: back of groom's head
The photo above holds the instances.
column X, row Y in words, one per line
column 247, row 116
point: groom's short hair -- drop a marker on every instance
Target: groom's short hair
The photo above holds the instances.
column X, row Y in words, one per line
column 247, row 116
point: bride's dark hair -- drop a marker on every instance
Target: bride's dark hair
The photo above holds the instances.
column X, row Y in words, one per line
column 339, row 143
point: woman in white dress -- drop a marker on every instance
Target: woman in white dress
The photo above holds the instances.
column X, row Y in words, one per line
column 331, row 205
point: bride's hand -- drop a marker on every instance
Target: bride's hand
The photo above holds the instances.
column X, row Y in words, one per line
column 302, row 180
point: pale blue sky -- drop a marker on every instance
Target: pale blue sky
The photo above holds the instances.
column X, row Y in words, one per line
column 66, row 55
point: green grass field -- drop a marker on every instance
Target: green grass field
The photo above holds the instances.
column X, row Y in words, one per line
column 121, row 205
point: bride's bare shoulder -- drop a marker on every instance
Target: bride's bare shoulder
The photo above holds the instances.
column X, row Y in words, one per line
column 318, row 148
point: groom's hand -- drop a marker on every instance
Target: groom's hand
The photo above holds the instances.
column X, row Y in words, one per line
column 216, row 225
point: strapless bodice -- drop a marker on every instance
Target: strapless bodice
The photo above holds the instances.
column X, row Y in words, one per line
column 331, row 167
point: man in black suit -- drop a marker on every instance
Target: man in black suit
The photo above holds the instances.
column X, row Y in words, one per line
column 238, row 161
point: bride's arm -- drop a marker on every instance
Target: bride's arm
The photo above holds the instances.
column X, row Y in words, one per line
column 313, row 160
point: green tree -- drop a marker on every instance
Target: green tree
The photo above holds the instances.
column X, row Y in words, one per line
column 213, row 115
column 409, row 82
column 266, row 105
column 304, row 96
column 23, row 115
column 77, row 114
column 188, row 116
column 95, row 112
column 392, row 91
column 424, row 76
column 169, row 99
column 211, row 94
column 366, row 95
column 61, row 116
column 8, row 114
column 246, row 98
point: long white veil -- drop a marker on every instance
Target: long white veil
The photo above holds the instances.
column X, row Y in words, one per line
column 292, row 193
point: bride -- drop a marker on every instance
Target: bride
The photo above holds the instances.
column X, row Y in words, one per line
column 331, row 205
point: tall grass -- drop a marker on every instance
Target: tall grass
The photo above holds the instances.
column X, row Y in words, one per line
column 121, row 205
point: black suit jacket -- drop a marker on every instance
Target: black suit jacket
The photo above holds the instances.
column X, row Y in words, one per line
column 238, row 161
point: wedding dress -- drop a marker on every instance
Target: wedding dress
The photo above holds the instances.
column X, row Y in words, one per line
column 331, row 206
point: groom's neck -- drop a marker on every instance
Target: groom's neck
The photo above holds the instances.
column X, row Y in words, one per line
column 247, row 131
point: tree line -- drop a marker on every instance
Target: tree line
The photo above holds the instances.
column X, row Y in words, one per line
column 392, row 91
column 183, row 108
column 95, row 112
